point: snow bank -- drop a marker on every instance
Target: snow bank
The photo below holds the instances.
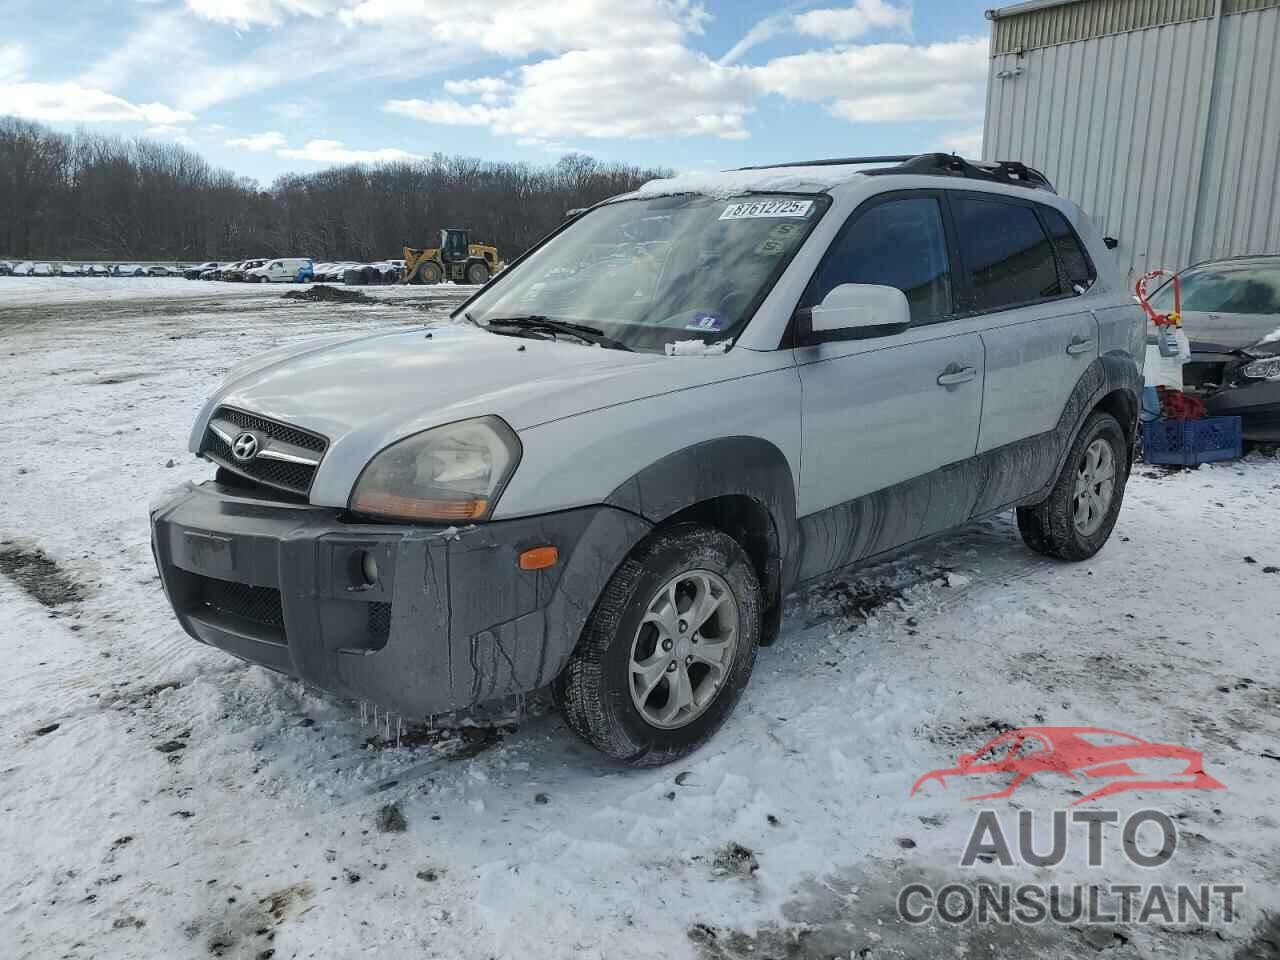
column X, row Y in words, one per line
column 733, row 183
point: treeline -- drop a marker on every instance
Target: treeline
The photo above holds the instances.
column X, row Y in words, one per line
column 93, row 197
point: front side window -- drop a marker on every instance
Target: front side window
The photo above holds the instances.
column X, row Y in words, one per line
column 898, row 243
column 1008, row 256
column 651, row 271
column 1223, row 288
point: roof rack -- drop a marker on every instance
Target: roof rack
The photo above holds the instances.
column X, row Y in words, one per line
column 834, row 162
column 938, row 164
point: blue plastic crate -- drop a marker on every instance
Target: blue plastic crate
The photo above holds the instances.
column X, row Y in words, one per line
column 1189, row 442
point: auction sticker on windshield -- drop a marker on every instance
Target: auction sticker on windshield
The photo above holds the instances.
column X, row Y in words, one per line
column 767, row 208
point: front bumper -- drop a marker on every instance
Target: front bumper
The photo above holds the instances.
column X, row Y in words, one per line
column 450, row 621
column 1256, row 403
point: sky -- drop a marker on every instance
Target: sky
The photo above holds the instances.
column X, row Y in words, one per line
column 264, row 87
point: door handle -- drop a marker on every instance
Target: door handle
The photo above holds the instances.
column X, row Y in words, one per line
column 1080, row 345
column 955, row 375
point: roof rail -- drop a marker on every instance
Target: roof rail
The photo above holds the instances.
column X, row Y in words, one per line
column 834, row 162
column 938, row 164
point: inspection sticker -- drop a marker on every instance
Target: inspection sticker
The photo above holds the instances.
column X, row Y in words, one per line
column 705, row 321
column 767, row 208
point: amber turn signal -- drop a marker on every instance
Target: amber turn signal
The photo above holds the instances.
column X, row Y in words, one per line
column 539, row 558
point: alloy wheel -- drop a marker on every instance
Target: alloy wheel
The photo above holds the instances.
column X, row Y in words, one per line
column 683, row 649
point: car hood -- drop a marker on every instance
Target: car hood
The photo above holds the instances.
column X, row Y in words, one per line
column 1227, row 332
column 367, row 392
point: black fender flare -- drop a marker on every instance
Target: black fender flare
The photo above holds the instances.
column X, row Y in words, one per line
column 743, row 466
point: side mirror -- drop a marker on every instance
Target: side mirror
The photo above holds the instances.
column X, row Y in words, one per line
column 855, row 311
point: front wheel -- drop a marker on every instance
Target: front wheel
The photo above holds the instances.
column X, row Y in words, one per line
column 668, row 649
column 477, row 273
column 429, row 272
column 1076, row 519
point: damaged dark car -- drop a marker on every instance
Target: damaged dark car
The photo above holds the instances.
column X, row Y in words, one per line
column 1231, row 314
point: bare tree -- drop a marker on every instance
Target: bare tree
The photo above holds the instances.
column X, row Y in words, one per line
column 88, row 196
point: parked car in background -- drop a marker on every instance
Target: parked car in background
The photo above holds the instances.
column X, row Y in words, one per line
column 194, row 273
column 96, row 270
column 383, row 271
column 332, row 272
column 158, row 270
column 283, row 270
column 128, row 270
column 23, row 268
column 6, row 268
column 215, row 273
column 44, row 270
column 238, row 271
column 607, row 474
column 1231, row 315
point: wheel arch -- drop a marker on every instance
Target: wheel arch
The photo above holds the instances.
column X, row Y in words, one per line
column 742, row 485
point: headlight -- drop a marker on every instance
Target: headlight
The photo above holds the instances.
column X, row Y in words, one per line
column 1268, row 369
column 449, row 474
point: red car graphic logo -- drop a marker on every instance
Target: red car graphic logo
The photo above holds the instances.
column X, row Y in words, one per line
column 1128, row 762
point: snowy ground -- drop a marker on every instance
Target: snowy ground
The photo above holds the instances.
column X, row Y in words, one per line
column 162, row 799
column 20, row 291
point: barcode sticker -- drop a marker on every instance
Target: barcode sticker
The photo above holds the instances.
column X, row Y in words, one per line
column 767, row 208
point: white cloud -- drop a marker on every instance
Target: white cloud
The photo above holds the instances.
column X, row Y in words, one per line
column 267, row 13
column 885, row 81
column 13, row 61
column 448, row 112
column 258, row 142
column 518, row 28
column 831, row 23
column 967, row 143
column 488, row 89
column 334, row 151
column 664, row 90
column 72, row 103
column 164, row 45
column 851, row 22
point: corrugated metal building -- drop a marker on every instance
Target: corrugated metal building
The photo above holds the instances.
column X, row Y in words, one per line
column 1160, row 117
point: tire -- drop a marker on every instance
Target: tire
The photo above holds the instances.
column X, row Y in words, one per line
column 477, row 273
column 595, row 690
column 428, row 272
column 1052, row 527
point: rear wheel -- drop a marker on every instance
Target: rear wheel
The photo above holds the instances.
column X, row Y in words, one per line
column 668, row 649
column 1077, row 517
column 477, row 273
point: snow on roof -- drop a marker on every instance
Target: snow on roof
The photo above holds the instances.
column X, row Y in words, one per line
column 732, row 183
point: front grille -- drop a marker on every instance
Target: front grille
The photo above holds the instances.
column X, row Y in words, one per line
column 257, row 604
column 280, row 474
column 276, row 431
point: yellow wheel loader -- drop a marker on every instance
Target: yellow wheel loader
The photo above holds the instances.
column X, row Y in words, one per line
column 456, row 259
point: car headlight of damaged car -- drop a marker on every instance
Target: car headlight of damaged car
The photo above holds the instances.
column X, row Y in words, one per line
column 1267, row 369
column 448, row 474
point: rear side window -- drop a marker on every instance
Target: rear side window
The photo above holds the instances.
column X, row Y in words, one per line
column 1077, row 269
column 898, row 243
column 1009, row 258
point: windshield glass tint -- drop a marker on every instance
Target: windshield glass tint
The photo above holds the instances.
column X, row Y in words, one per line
column 658, row 270
column 1254, row 289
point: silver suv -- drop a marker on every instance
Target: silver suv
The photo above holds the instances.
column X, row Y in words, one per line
column 609, row 471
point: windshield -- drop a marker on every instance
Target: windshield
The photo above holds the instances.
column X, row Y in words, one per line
column 1225, row 289
column 646, row 273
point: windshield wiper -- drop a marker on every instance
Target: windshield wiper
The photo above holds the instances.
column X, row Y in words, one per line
column 538, row 323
